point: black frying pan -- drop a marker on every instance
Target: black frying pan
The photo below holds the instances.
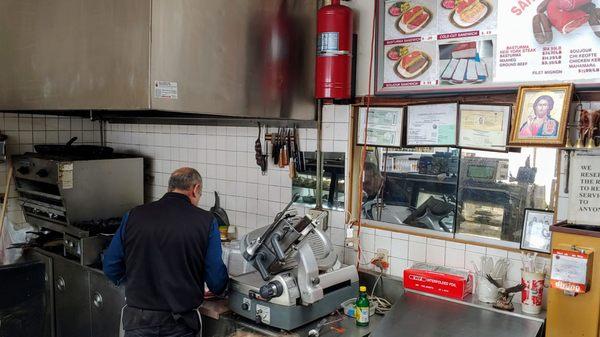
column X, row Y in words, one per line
column 70, row 149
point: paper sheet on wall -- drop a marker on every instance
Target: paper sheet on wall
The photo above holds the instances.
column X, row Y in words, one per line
column 584, row 191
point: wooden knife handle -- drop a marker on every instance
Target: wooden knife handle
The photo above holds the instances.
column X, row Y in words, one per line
column 286, row 157
column 292, row 167
column 280, row 161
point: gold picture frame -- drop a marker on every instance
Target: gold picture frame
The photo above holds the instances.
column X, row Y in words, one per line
column 541, row 115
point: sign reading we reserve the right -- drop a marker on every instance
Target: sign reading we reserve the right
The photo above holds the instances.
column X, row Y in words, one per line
column 546, row 40
column 584, row 194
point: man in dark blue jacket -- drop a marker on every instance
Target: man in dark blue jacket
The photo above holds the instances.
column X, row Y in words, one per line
column 164, row 252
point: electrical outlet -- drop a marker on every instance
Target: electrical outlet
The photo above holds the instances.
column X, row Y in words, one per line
column 356, row 242
column 349, row 242
column 382, row 254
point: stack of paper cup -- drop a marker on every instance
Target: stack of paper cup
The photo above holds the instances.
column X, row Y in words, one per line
column 531, row 295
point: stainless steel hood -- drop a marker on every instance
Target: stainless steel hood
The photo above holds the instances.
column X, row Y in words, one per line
column 236, row 58
column 74, row 54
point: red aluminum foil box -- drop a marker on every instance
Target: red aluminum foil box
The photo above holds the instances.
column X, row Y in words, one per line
column 439, row 281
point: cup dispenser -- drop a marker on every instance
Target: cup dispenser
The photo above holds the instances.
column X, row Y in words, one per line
column 574, row 294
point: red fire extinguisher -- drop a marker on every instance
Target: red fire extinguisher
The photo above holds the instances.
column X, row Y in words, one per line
column 333, row 78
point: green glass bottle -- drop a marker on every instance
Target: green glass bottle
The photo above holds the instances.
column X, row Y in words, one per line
column 361, row 311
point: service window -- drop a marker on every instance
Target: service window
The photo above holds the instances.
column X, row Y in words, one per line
column 494, row 189
column 412, row 187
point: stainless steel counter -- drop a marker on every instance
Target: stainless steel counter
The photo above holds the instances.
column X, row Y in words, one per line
column 422, row 315
column 413, row 314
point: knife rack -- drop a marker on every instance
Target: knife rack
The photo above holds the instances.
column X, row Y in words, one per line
column 269, row 137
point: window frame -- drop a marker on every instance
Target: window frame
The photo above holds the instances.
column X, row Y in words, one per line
column 354, row 158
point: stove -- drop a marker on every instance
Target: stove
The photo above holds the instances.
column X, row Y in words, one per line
column 87, row 249
column 80, row 197
column 66, row 193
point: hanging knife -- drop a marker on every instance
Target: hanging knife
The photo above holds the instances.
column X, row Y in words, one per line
column 258, row 154
column 286, row 148
column 275, row 142
column 300, row 164
column 292, row 163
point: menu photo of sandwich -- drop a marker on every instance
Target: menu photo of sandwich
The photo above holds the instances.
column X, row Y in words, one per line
column 465, row 15
column 468, row 62
column 410, row 18
column 409, row 62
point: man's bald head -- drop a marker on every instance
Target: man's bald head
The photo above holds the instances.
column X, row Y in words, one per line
column 184, row 179
column 188, row 181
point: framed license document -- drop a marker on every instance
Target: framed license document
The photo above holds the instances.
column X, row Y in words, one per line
column 431, row 124
column 484, row 127
column 384, row 129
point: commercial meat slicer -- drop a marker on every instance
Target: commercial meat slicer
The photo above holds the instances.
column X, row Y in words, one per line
column 286, row 274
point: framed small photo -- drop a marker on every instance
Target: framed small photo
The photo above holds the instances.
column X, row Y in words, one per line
column 536, row 230
column 541, row 115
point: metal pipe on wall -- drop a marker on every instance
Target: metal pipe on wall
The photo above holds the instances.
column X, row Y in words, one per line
column 319, row 187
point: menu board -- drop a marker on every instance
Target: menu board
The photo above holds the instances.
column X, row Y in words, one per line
column 385, row 126
column 466, row 45
column 431, row 124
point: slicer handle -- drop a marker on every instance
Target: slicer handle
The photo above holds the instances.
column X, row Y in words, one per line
column 259, row 264
column 277, row 247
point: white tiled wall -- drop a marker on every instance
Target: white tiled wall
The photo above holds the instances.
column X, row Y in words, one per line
column 225, row 158
column 406, row 249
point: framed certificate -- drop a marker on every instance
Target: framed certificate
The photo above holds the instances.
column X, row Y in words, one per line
column 431, row 124
column 384, row 129
column 484, row 127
